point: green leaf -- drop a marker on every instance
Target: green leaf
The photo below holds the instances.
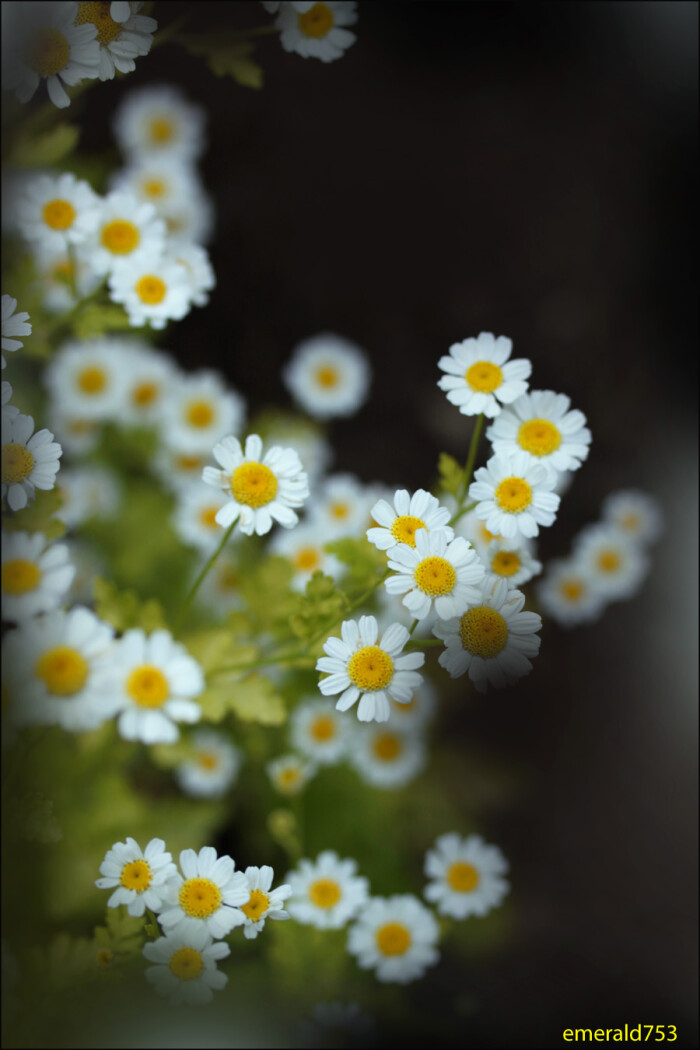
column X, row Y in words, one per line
column 363, row 560
column 451, row 473
column 97, row 318
column 124, row 609
column 264, row 585
column 38, row 515
column 255, row 699
column 321, row 605
column 227, row 54
column 43, row 150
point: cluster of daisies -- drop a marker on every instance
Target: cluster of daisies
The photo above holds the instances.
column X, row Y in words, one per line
column 202, row 902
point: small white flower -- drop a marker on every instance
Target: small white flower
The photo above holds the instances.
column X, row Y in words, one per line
column 396, row 937
column 185, row 966
column 304, row 548
column 200, row 272
column 90, row 491
column 317, row 30
column 615, row 563
column 137, row 877
column 29, row 460
column 121, row 39
column 512, row 561
column 173, row 187
column 318, row 731
column 64, row 276
column 263, row 489
column 387, row 756
column 177, row 469
column 158, row 680
column 200, row 410
column 435, row 571
column 87, row 379
column 152, row 287
column 209, row 894
column 55, row 211
column 567, row 593
column 263, row 903
column 327, row 892
column 150, row 377
column 329, row 376
column 339, row 507
column 125, row 229
column 362, row 668
column 36, row 574
column 13, row 325
column 290, row 774
column 514, row 496
column 213, row 767
column 195, row 515
column 398, row 524
column 158, row 121
column 75, row 435
column 480, row 378
column 636, row 514
column 467, row 876
column 540, row 424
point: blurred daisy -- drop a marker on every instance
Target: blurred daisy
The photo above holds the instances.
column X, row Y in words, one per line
column 399, row 523
column 165, row 182
column 567, row 594
column 126, row 228
column 200, row 272
column 417, row 712
column 184, row 969
column 540, row 424
column 75, row 435
column 480, row 378
column 213, row 767
column 90, row 491
column 512, row 561
column 318, row 731
column 55, row 211
column 36, row 574
column 635, row 514
column 177, row 469
column 514, row 496
column 152, row 287
column 317, row 30
column 340, row 507
column 195, row 515
column 613, row 561
column 150, row 377
column 158, row 121
column 190, row 220
column 208, row 894
column 263, row 902
column 433, row 571
column 290, row 774
column 304, row 549
column 121, row 40
column 362, row 668
column 13, row 325
column 157, row 683
column 396, row 937
column 327, row 892
column 64, row 276
column 137, row 876
column 492, row 641
column 87, row 379
column 387, row 756
column 200, row 410
column 328, row 376
column 263, row 489
column 29, row 460
column 467, row 876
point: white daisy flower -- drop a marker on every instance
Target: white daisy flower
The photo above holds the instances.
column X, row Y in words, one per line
column 195, row 515
column 62, row 663
column 290, row 773
column 540, row 424
column 121, row 40
column 9, row 411
column 480, row 378
column 176, row 469
column 13, row 325
column 396, row 937
column 615, row 563
column 387, row 756
column 435, row 571
column 327, row 892
column 492, row 641
column 209, row 893
column 64, row 276
column 317, row 30
column 567, row 594
column 150, row 377
column 263, row 490
column 36, row 574
column 399, row 523
column 137, row 876
column 87, row 379
column 361, row 667
column 125, row 229
column 467, row 876
column 55, row 211
column 339, row 508
column 75, row 435
column 90, row 491
column 328, row 376
column 196, row 261
column 185, row 966
column 304, row 548
column 512, row 561
column 165, row 182
column 152, row 287
column 47, row 44
column 200, row 410
column 416, row 712
column 29, row 460
column 213, row 767
column 319, row 732
column 636, row 514
column 514, row 496
column 158, row 121
column 263, row 903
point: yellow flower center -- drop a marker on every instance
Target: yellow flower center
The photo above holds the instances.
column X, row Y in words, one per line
column 63, row 271
column 144, row 394
column 207, row 517
column 339, row 510
column 147, row 686
column 630, row 521
column 404, row 529
column 462, row 877
column 324, row 893
column 327, row 376
column 120, row 237
column 539, row 437
column 435, row 576
column 609, row 560
column 484, row 377
column 151, row 290
column 20, row 576
column 483, row 631
column 92, row 380
column 287, row 778
column 186, row 964
column 387, row 747
column 58, row 214
column 78, row 426
column 393, row 939
column 571, row 590
column 316, row 22
column 160, row 130
column 371, row 668
column 104, row 958
column 153, row 187
column 200, row 414
column 253, row 484
column 48, row 52
column 188, row 463
column 17, row 463
column 306, row 559
column 322, row 728
column 208, row 760
column 505, row 563
column 98, row 13
column 257, row 905
column 136, row 876
column 199, row 898
column 63, row 670
column 513, row 495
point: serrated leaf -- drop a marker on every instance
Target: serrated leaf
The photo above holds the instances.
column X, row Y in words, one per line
column 451, row 473
column 124, row 609
column 255, row 699
column 47, row 149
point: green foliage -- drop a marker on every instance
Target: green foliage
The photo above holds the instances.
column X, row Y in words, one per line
column 451, row 474
column 319, row 608
column 255, row 699
column 65, row 964
column 31, row 150
column 98, row 318
column 38, row 516
column 123, row 934
column 36, row 820
column 264, row 584
column 124, row 609
column 364, row 562
column 227, row 54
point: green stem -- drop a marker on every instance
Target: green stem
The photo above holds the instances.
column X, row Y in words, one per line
column 346, row 612
column 413, row 626
column 195, row 586
column 460, row 513
column 468, row 467
column 418, row 643
column 264, row 661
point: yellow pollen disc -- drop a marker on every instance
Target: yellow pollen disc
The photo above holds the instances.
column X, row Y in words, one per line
column 322, row 728
column 483, row 631
column 186, row 964
column 324, row 893
column 207, row 517
column 393, row 939
column 63, row 670
column 316, row 22
column 92, row 380
column 199, row 898
column 257, row 905
column 120, row 237
column 48, row 52
column 144, row 394
column 98, row 13
column 136, row 876
column 608, row 561
column 199, row 414
column 484, row 377
column 79, row 426
column 572, row 590
column 387, row 747
column 59, row 214
column 161, row 130
column 462, row 877
column 539, row 437
column 151, row 290
column 306, row 559
column 185, row 462
column 253, row 484
column 153, row 187
column 339, row 510
column 435, row 576
column 505, row 563
column 404, row 529
column 20, row 576
column 208, row 760
column 513, row 495
column 371, row 668
column 148, row 686
column 327, row 376
column 17, row 463
column 630, row 521
column 104, row 958
column 288, row 777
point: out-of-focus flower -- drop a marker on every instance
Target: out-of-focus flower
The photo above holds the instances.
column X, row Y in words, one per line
column 304, row 548
column 29, row 460
column 567, row 594
column 615, row 563
column 290, row 774
column 396, row 937
column 126, row 227
column 157, row 121
column 184, row 969
column 467, row 876
column 55, row 211
column 200, row 409
column 213, row 767
column 329, row 376
column 318, row 731
column 634, row 513
column 36, row 575
column 87, row 379
column 387, row 756
column 327, row 892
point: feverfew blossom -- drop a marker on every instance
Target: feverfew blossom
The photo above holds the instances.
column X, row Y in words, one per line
column 212, row 768
column 88, row 378
column 615, row 563
column 199, row 411
column 304, row 547
column 328, row 375
column 157, row 121
column 290, row 774
column 339, row 507
column 29, row 460
column 263, row 902
column 541, row 424
column 435, row 572
column 634, row 513
column 480, row 378
column 137, row 877
column 514, row 496
column 318, row 731
column 327, row 892
column 396, row 937
column 13, row 325
column 55, row 211
column 567, row 593
column 121, row 40
column 152, row 287
column 467, row 876
column 126, row 227
column 209, row 894
column 184, row 969
column 35, row 574
column 399, row 523
column 388, row 756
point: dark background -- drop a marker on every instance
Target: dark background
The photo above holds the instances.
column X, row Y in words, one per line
column 526, row 169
